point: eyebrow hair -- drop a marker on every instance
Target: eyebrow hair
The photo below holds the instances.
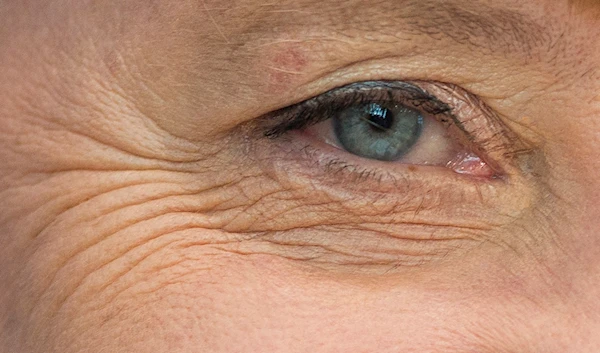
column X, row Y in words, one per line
column 476, row 24
column 585, row 3
column 590, row 7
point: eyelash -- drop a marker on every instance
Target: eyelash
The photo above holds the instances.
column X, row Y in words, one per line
column 470, row 122
column 324, row 106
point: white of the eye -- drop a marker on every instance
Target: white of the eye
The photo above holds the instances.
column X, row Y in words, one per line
column 434, row 147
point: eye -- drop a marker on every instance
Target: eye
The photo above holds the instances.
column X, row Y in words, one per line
column 379, row 131
column 391, row 122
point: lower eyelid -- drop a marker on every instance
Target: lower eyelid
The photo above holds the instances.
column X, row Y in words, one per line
column 297, row 159
column 324, row 185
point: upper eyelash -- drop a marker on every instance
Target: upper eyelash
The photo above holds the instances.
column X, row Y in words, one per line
column 325, row 106
column 473, row 125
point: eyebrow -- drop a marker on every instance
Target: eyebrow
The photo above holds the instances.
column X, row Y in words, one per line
column 468, row 23
column 586, row 6
column 585, row 3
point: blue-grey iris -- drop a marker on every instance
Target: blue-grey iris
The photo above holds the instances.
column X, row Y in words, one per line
column 378, row 131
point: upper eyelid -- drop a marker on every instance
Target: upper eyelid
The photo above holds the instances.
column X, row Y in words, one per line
column 325, row 104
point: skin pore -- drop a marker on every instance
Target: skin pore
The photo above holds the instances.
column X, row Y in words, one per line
column 142, row 208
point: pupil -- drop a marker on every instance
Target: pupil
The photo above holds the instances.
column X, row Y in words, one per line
column 383, row 132
column 379, row 118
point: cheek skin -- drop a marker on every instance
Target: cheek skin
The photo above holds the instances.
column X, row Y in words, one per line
column 139, row 262
column 219, row 301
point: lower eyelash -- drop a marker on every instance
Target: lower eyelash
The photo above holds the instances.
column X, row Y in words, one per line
column 343, row 170
column 357, row 174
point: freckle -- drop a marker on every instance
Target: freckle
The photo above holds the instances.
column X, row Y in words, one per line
column 412, row 168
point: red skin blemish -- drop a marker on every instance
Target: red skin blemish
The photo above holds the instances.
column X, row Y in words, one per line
column 285, row 65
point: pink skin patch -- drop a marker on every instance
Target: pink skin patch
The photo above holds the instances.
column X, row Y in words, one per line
column 285, row 65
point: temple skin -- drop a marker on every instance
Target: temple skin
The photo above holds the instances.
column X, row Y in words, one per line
column 142, row 211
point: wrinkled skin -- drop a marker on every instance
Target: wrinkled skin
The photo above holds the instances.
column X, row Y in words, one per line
column 139, row 211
